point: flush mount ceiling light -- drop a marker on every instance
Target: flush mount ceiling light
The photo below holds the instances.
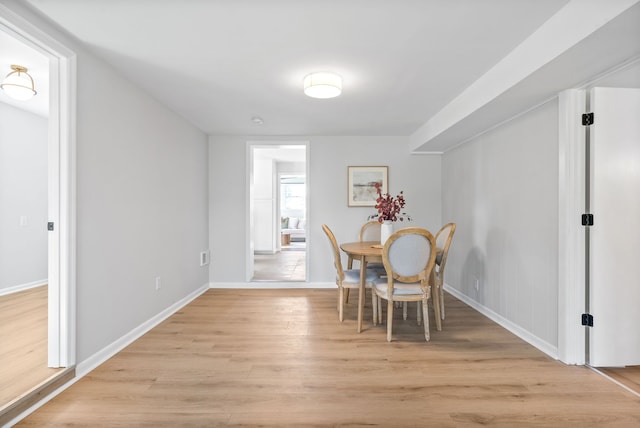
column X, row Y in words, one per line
column 322, row 85
column 19, row 84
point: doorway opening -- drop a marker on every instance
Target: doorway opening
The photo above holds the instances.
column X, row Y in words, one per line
column 278, row 212
column 52, row 295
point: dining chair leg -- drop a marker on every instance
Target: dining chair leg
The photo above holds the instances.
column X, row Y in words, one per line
column 341, row 303
column 441, row 293
column 374, row 304
column 418, row 313
column 425, row 311
column 436, row 307
column 346, row 296
column 379, row 310
column 389, row 319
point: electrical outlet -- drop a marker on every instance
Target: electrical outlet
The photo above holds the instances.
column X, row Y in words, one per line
column 204, row 258
column 158, row 283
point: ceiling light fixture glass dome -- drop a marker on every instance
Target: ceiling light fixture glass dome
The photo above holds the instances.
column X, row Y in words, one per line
column 322, row 85
column 19, row 84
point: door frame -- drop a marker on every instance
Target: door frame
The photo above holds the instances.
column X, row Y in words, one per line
column 572, row 103
column 61, row 185
column 249, row 247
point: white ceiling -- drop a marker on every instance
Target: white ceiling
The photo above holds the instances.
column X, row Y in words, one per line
column 281, row 153
column 219, row 63
column 14, row 51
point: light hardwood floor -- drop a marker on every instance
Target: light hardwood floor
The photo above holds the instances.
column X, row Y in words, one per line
column 628, row 376
column 23, row 343
column 281, row 358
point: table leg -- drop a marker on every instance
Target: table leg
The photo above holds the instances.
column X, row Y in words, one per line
column 363, row 276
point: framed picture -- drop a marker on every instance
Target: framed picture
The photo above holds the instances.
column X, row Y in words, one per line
column 361, row 184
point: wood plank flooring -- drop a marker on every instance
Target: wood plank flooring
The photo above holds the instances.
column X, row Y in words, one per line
column 628, row 376
column 23, row 343
column 281, row 358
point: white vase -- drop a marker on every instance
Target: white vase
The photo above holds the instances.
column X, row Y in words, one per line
column 386, row 229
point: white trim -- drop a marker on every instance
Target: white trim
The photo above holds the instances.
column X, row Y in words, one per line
column 110, row 350
column 308, row 214
column 266, row 252
column 54, row 181
column 248, row 269
column 271, row 285
column 86, row 366
column 23, row 287
column 67, row 215
column 571, row 203
column 249, row 248
column 62, row 181
column 616, row 69
column 414, row 153
column 523, row 334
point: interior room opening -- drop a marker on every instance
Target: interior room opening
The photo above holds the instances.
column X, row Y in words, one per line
column 278, row 213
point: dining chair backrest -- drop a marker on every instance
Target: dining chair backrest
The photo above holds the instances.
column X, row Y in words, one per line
column 443, row 241
column 370, row 231
column 409, row 254
column 337, row 261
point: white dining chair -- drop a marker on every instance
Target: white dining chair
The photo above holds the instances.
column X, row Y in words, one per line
column 409, row 256
column 443, row 242
column 349, row 278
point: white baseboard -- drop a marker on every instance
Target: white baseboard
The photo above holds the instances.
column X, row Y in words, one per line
column 23, row 287
column 271, row 285
column 523, row 334
column 107, row 352
column 84, row 367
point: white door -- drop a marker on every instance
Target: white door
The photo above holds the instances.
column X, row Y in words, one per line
column 614, row 339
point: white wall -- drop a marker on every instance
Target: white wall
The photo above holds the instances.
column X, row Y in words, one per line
column 141, row 202
column 264, row 206
column 23, row 193
column 142, row 206
column 502, row 191
column 417, row 175
column 291, row 168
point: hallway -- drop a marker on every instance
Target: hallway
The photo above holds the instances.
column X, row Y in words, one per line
column 286, row 265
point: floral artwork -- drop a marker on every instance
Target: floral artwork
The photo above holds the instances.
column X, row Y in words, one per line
column 362, row 182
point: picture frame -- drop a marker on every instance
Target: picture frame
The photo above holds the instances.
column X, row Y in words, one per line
column 361, row 180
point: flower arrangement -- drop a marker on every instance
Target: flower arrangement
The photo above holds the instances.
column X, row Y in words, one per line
column 389, row 208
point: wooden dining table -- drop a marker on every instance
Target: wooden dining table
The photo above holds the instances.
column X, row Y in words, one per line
column 365, row 251
column 371, row 251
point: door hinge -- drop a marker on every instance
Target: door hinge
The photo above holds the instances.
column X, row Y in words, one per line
column 50, row 226
column 587, row 219
column 587, row 320
column 587, row 119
